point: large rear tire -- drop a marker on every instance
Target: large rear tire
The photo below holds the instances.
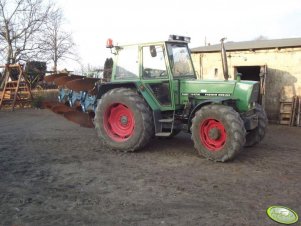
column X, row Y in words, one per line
column 123, row 120
column 256, row 135
column 218, row 132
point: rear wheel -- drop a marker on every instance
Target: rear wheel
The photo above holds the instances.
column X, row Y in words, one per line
column 256, row 135
column 218, row 132
column 123, row 120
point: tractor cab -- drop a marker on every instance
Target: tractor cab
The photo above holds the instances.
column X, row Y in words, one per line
column 157, row 67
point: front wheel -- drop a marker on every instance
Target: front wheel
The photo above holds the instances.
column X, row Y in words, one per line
column 256, row 135
column 218, row 132
column 123, row 120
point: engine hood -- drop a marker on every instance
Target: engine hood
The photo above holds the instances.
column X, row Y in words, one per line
column 242, row 91
column 208, row 88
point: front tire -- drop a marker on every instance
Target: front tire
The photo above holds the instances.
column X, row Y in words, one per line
column 218, row 132
column 256, row 135
column 123, row 120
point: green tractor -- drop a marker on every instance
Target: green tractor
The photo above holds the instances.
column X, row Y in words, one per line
column 154, row 91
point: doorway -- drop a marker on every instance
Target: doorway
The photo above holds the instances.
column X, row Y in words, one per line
column 248, row 72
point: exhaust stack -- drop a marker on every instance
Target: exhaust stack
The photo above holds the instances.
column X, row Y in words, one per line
column 224, row 59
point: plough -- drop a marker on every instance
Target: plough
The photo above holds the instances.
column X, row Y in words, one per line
column 76, row 97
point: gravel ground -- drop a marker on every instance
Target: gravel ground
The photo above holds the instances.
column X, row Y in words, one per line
column 53, row 172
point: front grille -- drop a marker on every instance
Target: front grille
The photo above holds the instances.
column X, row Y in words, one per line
column 255, row 93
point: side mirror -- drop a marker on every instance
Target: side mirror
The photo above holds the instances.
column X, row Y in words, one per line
column 152, row 50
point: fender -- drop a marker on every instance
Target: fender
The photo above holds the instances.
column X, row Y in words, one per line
column 105, row 87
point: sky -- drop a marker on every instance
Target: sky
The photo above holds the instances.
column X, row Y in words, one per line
column 92, row 22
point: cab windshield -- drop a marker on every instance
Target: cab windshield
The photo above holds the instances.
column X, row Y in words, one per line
column 180, row 61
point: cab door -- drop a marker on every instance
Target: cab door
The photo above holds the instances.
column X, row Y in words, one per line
column 156, row 77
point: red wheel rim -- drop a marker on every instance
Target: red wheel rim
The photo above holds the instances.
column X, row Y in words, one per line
column 119, row 122
column 213, row 134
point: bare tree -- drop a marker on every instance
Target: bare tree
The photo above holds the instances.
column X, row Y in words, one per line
column 20, row 23
column 57, row 44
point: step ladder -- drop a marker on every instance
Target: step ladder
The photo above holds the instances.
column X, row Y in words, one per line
column 290, row 112
column 164, row 126
column 285, row 114
column 16, row 91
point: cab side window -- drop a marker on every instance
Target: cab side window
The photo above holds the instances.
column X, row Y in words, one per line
column 153, row 62
column 128, row 66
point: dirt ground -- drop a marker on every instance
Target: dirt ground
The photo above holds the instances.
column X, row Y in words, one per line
column 53, row 172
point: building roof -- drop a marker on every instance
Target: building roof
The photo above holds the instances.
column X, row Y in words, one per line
column 251, row 45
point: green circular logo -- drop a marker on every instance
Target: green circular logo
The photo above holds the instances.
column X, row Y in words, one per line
column 282, row 214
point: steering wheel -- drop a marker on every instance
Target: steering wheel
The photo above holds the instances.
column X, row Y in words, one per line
column 163, row 74
column 147, row 72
